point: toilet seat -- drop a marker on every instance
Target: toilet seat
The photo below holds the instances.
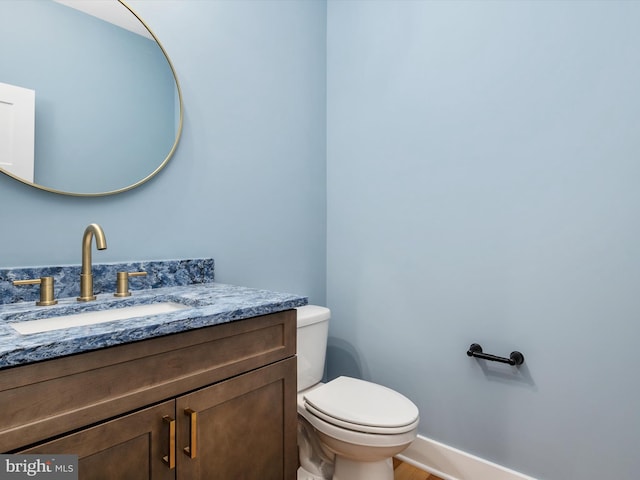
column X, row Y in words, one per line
column 362, row 406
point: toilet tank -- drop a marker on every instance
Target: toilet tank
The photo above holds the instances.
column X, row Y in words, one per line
column 313, row 329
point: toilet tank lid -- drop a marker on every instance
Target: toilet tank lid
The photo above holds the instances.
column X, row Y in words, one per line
column 310, row 314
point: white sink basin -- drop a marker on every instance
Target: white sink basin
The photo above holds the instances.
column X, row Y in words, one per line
column 92, row 318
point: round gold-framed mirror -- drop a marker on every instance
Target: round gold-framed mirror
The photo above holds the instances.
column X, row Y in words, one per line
column 104, row 99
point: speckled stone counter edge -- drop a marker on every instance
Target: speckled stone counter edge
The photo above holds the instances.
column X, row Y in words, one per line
column 207, row 304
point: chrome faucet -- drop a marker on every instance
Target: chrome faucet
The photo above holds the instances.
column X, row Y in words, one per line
column 86, row 276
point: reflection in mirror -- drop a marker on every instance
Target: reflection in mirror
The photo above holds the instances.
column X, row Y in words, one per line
column 107, row 102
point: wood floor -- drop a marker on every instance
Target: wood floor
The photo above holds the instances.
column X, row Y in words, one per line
column 404, row 471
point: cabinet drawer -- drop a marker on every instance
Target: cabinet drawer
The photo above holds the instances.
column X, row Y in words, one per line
column 49, row 398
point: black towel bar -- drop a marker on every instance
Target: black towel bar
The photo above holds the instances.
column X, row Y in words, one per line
column 475, row 350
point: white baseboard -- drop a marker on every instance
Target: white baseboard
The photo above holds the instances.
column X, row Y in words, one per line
column 450, row 463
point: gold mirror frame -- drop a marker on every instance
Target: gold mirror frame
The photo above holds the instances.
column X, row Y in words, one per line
column 164, row 162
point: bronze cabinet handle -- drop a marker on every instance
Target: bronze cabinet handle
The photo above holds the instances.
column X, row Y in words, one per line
column 170, row 458
column 191, row 450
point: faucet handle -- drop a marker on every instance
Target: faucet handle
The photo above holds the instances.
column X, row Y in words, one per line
column 122, row 285
column 46, row 289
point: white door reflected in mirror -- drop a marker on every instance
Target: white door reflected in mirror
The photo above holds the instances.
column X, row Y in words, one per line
column 17, row 129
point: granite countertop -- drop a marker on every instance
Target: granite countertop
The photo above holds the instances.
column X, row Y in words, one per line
column 206, row 304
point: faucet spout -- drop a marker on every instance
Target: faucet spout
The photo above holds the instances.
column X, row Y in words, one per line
column 86, row 276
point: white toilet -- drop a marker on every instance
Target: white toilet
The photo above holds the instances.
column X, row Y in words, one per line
column 348, row 429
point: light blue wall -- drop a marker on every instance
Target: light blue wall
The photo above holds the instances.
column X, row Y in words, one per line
column 104, row 95
column 247, row 183
column 483, row 173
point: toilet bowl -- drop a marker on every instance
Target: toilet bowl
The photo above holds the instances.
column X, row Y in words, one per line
column 360, row 424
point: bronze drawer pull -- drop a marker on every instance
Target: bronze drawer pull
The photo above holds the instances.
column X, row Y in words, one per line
column 170, row 459
column 191, row 450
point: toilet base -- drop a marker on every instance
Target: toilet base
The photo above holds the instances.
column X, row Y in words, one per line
column 347, row 469
column 306, row 475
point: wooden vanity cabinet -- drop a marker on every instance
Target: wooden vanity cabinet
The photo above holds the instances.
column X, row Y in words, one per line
column 230, row 414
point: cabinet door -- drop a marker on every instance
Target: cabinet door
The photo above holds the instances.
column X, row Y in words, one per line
column 241, row 429
column 131, row 447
